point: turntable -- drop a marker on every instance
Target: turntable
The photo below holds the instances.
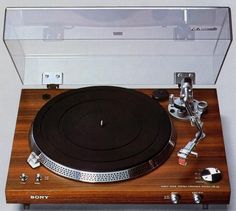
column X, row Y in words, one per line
column 107, row 128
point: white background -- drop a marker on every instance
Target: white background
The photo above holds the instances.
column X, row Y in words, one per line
column 10, row 87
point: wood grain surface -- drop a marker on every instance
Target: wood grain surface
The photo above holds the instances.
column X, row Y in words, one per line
column 155, row 187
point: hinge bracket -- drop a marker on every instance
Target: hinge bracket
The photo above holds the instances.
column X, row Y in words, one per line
column 179, row 76
column 52, row 79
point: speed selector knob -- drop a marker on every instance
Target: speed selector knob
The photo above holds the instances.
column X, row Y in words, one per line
column 197, row 198
column 211, row 175
column 175, row 197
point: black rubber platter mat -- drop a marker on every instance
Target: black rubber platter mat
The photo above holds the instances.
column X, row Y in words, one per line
column 101, row 129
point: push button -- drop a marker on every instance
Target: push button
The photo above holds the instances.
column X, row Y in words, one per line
column 23, row 177
column 38, row 177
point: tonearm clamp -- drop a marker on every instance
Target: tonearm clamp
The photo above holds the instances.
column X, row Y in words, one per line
column 185, row 107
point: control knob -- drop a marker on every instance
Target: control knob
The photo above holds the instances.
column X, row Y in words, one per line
column 197, row 198
column 211, row 175
column 175, row 197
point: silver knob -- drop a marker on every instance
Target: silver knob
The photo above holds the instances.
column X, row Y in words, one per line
column 38, row 178
column 197, row 198
column 23, row 177
column 175, row 197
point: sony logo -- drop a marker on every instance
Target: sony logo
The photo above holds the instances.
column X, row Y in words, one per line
column 39, row 197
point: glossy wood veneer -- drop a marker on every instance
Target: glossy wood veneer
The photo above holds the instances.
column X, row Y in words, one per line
column 155, row 187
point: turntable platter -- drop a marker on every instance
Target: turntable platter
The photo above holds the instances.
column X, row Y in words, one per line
column 102, row 134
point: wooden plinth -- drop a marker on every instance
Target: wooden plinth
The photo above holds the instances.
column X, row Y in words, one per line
column 155, row 187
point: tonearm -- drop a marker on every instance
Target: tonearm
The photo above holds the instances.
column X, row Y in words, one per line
column 185, row 107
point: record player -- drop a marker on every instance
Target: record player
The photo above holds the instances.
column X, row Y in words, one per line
column 113, row 109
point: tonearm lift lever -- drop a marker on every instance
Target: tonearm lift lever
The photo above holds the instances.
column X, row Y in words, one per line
column 186, row 108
